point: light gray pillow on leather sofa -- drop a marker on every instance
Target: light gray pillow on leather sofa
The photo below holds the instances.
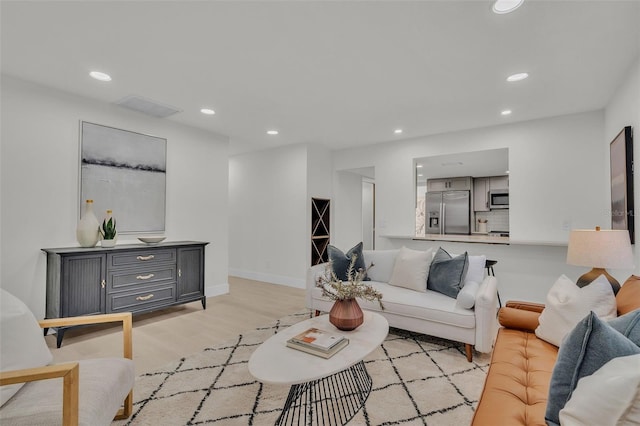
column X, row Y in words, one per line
column 589, row 346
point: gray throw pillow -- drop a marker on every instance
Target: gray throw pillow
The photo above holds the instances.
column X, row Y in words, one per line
column 340, row 261
column 629, row 325
column 590, row 345
column 446, row 274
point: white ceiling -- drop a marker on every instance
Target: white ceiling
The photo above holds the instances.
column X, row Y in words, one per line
column 490, row 162
column 340, row 73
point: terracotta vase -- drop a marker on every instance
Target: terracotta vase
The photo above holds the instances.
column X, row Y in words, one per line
column 346, row 314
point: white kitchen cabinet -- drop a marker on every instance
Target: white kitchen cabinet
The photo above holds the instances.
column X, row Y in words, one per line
column 449, row 184
column 481, row 188
column 498, row 182
column 481, row 194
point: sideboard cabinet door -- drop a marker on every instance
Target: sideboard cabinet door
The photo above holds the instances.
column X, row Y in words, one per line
column 82, row 289
column 191, row 274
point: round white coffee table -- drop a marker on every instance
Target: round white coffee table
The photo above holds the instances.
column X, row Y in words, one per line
column 323, row 391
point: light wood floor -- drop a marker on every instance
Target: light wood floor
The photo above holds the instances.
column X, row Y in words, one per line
column 163, row 336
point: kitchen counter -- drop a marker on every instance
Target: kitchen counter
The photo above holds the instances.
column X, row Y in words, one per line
column 473, row 238
column 478, row 238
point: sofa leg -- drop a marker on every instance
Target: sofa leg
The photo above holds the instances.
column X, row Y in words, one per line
column 317, row 312
column 469, row 351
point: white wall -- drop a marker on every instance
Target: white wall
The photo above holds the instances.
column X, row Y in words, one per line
column 368, row 210
column 346, row 230
column 40, row 170
column 624, row 107
column 268, row 221
column 624, row 110
column 555, row 168
column 319, row 185
column 557, row 182
column 270, row 195
column 319, row 173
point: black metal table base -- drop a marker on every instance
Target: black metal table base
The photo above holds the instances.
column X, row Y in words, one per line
column 332, row 400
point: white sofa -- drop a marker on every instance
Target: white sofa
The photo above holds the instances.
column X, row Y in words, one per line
column 429, row 312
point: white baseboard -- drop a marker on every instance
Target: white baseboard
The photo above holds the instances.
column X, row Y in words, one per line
column 268, row 278
column 216, row 290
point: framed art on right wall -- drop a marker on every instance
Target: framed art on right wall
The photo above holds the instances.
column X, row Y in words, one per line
column 622, row 205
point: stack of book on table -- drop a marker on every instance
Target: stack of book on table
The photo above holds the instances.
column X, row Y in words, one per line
column 318, row 342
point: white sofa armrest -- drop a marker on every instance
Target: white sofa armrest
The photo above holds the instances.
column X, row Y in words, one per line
column 486, row 309
column 313, row 273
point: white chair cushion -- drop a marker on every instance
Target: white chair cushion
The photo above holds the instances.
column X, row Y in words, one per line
column 383, row 261
column 104, row 384
column 22, row 343
column 608, row 397
column 411, row 269
column 567, row 304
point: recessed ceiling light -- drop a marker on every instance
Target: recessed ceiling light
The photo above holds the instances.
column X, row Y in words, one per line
column 506, row 112
column 207, row 111
column 505, row 6
column 100, row 76
column 517, row 77
column 397, row 131
column 419, row 166
column 272, row 132
column 420, row 175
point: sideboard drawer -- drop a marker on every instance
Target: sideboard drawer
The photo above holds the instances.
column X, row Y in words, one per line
column 123, row 279
column 143, row 298
column 140, row 258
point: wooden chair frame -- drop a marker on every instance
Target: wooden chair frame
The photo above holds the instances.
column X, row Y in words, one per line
column 70, row 372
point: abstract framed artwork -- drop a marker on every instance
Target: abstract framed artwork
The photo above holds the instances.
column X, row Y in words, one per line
column 622, row 203
column 125, row 172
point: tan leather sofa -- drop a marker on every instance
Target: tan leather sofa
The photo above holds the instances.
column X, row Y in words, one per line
column 517, row 384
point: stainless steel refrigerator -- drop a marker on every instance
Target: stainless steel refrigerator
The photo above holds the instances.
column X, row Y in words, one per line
column 448, row 212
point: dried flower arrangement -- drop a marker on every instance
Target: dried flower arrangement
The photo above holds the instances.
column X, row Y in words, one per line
column 336, row 289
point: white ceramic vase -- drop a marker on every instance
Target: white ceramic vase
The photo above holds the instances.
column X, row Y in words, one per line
column 87, row 231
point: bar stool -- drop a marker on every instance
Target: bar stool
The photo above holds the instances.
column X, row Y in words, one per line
column 488, row 264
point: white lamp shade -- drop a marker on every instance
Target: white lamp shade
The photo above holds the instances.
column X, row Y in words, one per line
column 600, row 249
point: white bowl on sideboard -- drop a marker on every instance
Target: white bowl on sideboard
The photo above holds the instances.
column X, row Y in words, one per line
column 152, row 239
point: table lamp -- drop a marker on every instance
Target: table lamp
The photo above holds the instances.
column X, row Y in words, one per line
column 600, row 249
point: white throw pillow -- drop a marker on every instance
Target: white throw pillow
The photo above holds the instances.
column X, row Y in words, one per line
column 608, row 397
column 475, row 269
column 567, row 304
column 22, row 342
column 383, row 261
column 411, row 269
column 467, row 296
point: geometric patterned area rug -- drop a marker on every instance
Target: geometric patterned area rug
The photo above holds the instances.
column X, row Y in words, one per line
column 417, row 380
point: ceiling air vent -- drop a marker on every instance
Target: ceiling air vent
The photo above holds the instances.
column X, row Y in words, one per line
column 147, row 106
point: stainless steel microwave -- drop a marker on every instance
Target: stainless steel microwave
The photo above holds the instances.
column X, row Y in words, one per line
column 499, row 199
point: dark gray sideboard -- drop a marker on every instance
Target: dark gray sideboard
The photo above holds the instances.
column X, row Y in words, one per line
column 126, row 278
